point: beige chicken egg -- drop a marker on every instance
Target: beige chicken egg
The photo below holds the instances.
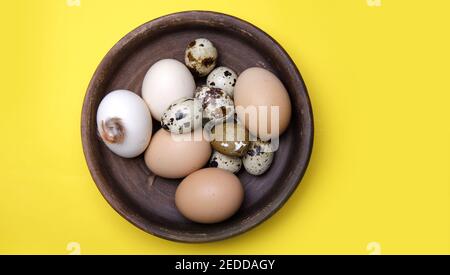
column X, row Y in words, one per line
column 176, row 156
column 209, row 195
column 257, row 90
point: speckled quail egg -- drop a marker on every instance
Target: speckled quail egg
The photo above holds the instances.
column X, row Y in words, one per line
column 182, row 116
column 229, row 163
column 200, row 56
column 124, row 123
column 230, row 138
column 217, row 105
column 258, row 158
column 223, row 78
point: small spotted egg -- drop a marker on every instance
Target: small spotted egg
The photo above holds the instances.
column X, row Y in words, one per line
column 217, row 105
column 182, row 116
column 223, row 78
column 258, row 158
column 200, row 56
column 230, row 138
column 219, row 160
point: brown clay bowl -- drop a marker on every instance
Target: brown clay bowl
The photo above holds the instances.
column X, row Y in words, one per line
column 146, row 200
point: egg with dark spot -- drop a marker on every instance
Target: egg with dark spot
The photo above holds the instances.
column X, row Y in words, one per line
column 229, row 163
column 200, row 56
column 230, row 139
column 223, row 78
column 182, row 116
column 217, row 105
column 258, row 157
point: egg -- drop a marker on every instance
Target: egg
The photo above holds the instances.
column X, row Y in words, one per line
column 209, row 195
column 258, row 158
column 230, row 138
column 256, row 91
column 217, row 105
column 219, row 160
column 124, row 123
column 165, row 82
column 176, row 156
column 182, row 116
column 223, row 78
column 200, row 56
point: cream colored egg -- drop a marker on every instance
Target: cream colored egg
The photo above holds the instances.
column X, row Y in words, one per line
column 165, row 82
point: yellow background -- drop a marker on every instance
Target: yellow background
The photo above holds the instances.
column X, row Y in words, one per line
column 378, row 77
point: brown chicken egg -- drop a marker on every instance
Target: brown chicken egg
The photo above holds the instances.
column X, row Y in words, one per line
column 209, row 195
column 176, row 156
column 257, row 90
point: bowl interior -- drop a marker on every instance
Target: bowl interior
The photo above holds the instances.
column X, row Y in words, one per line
column 147, row 200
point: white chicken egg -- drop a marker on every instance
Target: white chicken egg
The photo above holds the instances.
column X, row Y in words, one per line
column 124, row 123
column 165, row 82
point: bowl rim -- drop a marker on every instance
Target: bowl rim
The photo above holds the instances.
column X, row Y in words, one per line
column 101, row 182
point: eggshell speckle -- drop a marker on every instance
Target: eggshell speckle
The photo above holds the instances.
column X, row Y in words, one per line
column 223, row 78
column 230, row 138
column 258, row 158
column 182, row 116
column 200, row 56
column 217, row 105
column 222, row 161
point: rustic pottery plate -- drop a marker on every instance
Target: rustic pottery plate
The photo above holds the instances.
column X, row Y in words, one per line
column 146, row 200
